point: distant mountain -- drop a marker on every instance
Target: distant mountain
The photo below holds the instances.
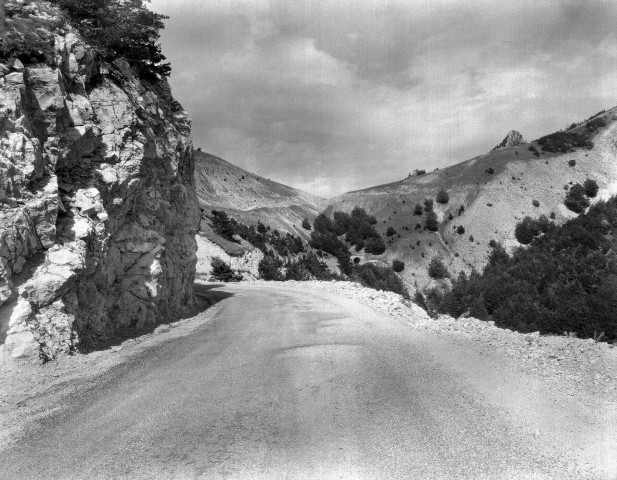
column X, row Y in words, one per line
column 250, row 198
column 496, row 190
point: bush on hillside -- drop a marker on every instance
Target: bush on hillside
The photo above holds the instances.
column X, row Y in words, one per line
column 443, row 196
column 374, row 246
column 428, row 204
column 526, row 230
column 390, row 232
column 563, row 142
column 223, row 272
column 460, row 230
column 417, row 209
column 121, row 28
column 223, row 225
column 306, row 224
column 269, row 268
column 398, row 266
column 437, row 269
column 535, row 203
column 432, row 223
column 591, row 188
column 566, row 280
column 379, row 278
column 575, row 199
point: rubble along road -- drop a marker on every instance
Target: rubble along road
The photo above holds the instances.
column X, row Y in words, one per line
column 289, row 382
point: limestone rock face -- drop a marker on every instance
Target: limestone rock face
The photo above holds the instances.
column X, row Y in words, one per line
column 513, row 139
column 98, row 212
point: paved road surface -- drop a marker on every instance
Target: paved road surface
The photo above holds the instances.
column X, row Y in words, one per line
column 282, row 383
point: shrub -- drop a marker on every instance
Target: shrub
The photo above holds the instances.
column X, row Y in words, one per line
column 437, row 269
column 223, row 225
column 390, row 232
column 535, row 203
column 306, row 224
column 428, row 204
column 563, row 142
column 323, row 224
column 432, row 223
column 552, row 215
column 297, row 271
column 223, row 272
column 572, row 163
column 564, row 281
column 121, row 29
column 379, row 278
column 490, row 170
column 534, row 150
column 526, row 230
column 375, row 246
column 398, row 266
column 575, row 199
column 461, row 209
column 471, row 239
column 591, row 188
column 460, row 230
column 442, row 196
column 418, row 209
column 269, row 268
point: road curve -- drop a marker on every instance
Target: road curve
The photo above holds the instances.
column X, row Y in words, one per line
column 283, row 383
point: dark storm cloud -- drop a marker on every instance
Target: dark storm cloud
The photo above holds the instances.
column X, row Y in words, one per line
column 336, row 95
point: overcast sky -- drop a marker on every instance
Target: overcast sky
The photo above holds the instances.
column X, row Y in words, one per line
column 335, row 95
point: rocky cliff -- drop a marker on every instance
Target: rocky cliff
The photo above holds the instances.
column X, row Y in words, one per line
column 98, row 211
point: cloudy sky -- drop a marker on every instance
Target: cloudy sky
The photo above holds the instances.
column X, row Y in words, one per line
column 336, row 95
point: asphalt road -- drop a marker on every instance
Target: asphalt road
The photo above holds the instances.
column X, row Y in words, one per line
column 282, row 383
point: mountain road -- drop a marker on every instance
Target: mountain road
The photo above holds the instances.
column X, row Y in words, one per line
column 290, row 383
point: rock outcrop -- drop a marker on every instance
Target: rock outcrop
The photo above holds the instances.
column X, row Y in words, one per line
column 98, row 212
column 513, row 138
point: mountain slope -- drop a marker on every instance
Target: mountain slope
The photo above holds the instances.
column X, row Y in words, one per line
column 250, row 198
column 493, row 202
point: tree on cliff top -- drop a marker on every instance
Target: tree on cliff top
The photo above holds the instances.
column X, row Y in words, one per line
column 121, row 28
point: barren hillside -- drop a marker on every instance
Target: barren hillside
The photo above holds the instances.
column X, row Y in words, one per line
column 496, row 189
column 250, row 198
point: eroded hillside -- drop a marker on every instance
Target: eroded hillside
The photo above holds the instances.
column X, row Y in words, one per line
column 496, row 190
column 250, row 198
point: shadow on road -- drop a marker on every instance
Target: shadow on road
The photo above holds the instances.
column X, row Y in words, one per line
column 208, row 294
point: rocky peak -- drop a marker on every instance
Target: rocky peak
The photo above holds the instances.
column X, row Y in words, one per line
column 512, row 139
column 98, row 211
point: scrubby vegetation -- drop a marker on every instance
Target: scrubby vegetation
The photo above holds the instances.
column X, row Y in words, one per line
column 564, row 142
column 259, row 236
column 379, row 278
column 26, row 38
column 120, row 28
column 432, row 223
column 591, row 188
column 223, row 272
column 443, row 196
column 565, row 281
column 398, row 266
column 114, row 28
column 269, row 268
column 437, row 269
column 576, row 199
